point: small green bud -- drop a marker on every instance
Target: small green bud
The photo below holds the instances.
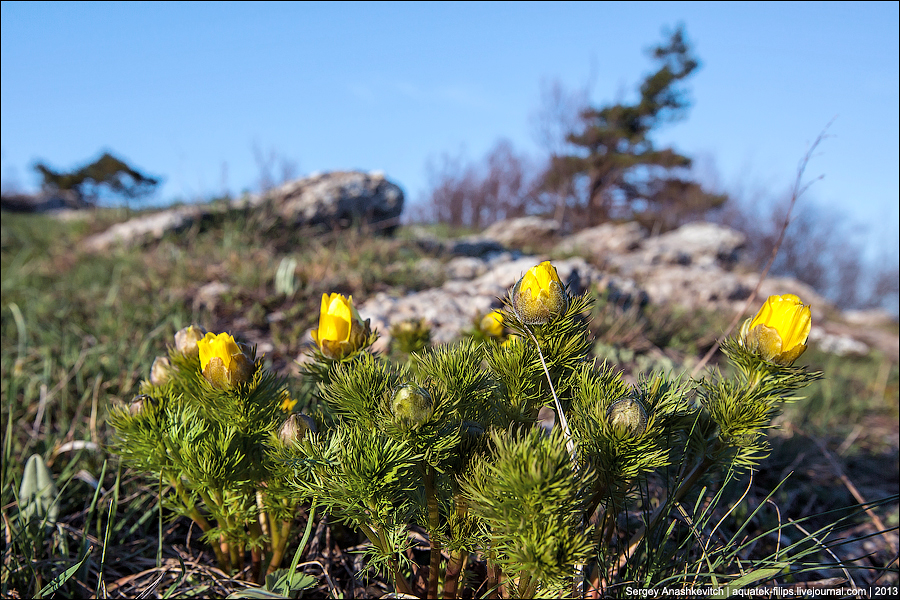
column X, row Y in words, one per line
column 411, row 405
column 38, row 493
column 295, row 428
column 160, row 371
column 627, row 417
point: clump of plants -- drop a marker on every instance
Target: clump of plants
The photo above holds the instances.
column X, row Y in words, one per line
column 606, row 494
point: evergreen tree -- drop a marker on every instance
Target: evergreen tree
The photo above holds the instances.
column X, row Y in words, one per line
column 109, row 172
column 615, row 170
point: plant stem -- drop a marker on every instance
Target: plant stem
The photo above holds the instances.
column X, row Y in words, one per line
column 457, row 560
column 696, row 473
column 279, row 549
column 564, row 423
column 527, row 586
column 256, row 552
column 433, row 524
column 454, row 570
column 377, row 538
column 221, row 549
column 197, row 517
column 494, row 573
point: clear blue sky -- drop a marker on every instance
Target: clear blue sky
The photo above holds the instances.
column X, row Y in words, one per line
column 186, row 91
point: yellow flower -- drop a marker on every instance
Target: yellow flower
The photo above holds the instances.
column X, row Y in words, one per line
column 539, row 295
column 186, row 339
column 287, row 403
column 341, row 330
column 512, row 339
column 779, row 330
column 222, row 360
column 492, row 324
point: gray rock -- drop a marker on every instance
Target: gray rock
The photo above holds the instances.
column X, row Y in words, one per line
column 700, row 244
column 336, row 199
column 599, row 242
column 339, row 199
column 522, row 231
column 144, row 228
column 840, row 345
column 465, row 267
column 455, row 306
column 208, row 295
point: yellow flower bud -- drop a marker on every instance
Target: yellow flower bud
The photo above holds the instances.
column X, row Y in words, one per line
column 287, row 403
column 627, row 417
column 223, row 362
column 539, row 295
column 492, row 324
column 779, row 331
column 160, row 371
column 186, row 340
column 341, row 330
column 411, row 405
column 512, row 339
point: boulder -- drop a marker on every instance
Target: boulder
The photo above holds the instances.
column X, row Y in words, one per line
column 145, row 228
column 700, row 244
column 522, row 232
column 338, row 199
column 455, row 306
column 600, row 242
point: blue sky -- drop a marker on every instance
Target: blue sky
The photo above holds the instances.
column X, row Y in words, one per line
column 187, row 91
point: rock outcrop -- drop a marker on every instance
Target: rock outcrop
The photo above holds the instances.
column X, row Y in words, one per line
column 455, row 306
column 146, row 228
column 696, row 266
column 43, row 201
column 337, row 199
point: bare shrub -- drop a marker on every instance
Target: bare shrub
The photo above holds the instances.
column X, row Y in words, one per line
column 822, row 247
column 274, row 168
column 475, row 194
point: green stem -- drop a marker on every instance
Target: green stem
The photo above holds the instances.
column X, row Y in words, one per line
column 433, row 525
column 527, row 586
column 377, row 538
column 687, row 483
column 225, row 553
column 197, row 517
column 256, row 551
column 278, row 551
column 494, row 573
column 454, row 570
column 274, row 529
column 457, row 560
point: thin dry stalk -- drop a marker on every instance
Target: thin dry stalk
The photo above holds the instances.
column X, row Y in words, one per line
column 799, row 190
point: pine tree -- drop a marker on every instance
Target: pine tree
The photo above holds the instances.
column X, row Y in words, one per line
column 615, row 166
column 107, row 172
